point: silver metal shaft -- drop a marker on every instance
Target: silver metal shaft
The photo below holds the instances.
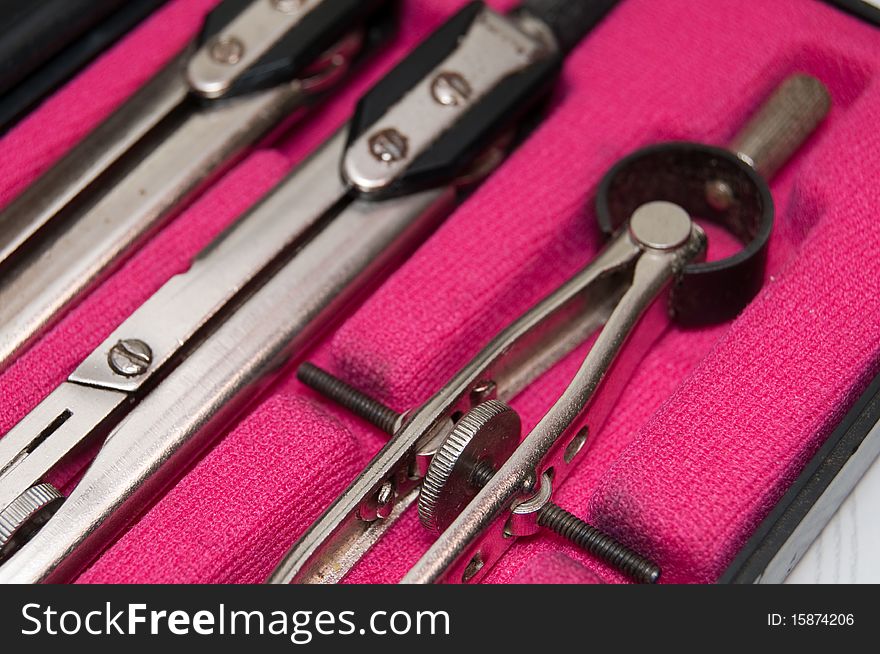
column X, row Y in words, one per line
column 218, row 380
column 92, row 157
column 168, row 321
column 782, row 124
column 42, row 283
column 669, row 240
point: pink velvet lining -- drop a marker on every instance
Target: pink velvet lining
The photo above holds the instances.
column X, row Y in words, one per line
column 713, row 425
column 554, row 568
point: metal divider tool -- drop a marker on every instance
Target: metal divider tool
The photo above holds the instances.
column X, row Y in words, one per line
column 726, row 185
column 459, row 455
column 467, row 463
column 186, row 363
column 255, row 63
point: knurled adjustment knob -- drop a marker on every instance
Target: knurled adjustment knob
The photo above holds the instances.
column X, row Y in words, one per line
column 27, row 513
column 482, row 440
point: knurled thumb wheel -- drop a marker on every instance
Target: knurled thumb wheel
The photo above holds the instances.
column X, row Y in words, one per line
column 27, row 513
column 486, row 436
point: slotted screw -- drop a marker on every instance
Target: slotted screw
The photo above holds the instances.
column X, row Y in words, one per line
column 130, row 357
column 227, row 50
column 389, row 146
column 451, row 89
column 552, row 516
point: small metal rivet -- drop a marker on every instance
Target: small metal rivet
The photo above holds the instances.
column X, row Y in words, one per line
column 660, row 225
column 389, row 146
column 130, row 357
column 473, row 568
column 451, row 89
column 719, row 195
column 227, row 50
column 385, row 499
column 484, row 391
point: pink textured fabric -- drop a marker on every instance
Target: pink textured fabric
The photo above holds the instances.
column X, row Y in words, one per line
column 712, row 426
column 554, row 568
column 653, row 71
column 220, row 549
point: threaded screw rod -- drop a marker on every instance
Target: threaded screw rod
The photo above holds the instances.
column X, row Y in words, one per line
column 584, row 535
column 596, row 542
column 552, row 516
column 347, row 396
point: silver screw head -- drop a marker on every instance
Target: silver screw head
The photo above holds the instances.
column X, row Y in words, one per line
column 130, row 357
column 389, row 146
column 227, row 50
column 660, row 225
column 380, row 505
column 451, row 89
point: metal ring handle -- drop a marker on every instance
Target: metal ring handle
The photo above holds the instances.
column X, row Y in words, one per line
column 727, row 186
column 683, row 173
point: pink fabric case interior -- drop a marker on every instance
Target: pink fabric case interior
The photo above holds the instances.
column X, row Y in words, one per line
column 715, row 423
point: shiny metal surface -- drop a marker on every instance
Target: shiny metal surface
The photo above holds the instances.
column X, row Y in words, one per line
column 130, row 357
column 50, row 432
column 92, row 157
column 31, row 508
column 619, row 346
column 159, row 330
column 486, row 436
column 214, row 67
column 35, row 291
column 229, row 368
column 69, row 229
column 189, row 301
column 494, row 48
column 261, row 25
column 615, row 288
column 783, row 123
